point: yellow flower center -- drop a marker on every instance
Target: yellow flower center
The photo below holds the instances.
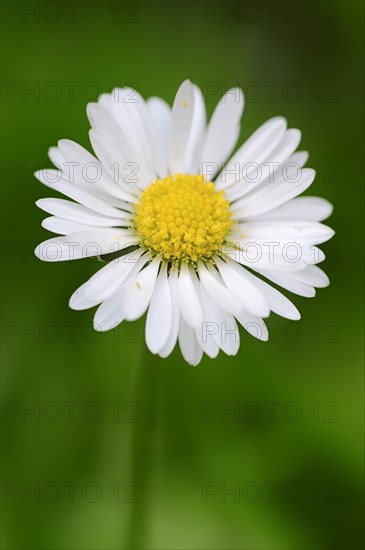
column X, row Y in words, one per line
column 183, row 217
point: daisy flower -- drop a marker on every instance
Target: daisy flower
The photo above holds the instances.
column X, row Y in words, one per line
column 185, row 235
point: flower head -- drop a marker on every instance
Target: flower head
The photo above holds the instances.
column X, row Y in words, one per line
column 188, row 239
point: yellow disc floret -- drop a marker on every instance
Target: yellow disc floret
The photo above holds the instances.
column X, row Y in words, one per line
column 183, row 217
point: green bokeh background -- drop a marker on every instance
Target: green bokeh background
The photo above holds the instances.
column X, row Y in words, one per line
column 312, row 368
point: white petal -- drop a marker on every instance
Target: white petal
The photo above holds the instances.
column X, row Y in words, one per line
column 254, row 150
column 110, row 313
column 130, row 111
column 246, row 292
column 313, row 209
column 188, row 122
column 223, row 128
column 312, row 275
column 171, row 341
column 272, row 195
column 253, row 325
column 182, row 120
column 89, row 198
column 84, row 244
column 65, row 227
column 104, row 123
column 217, row 290
column 189, row 301
column 189, row 346
column 57, row 159
column 196, row 141
column 125, row 175
column 104, row 282
column 278, row 303
column 160, row 114
column 140, row 290
column 285, row 232
column 312, row 255
column 219, row 325
column 208, row 345
column 282, row 255
column 260, row 255
column 281, row 155
column 284, row 149
column 159, row 316
column 86, row 169
column 77, row 162
column 73, row 211
column 270, row 172
column 289, row 283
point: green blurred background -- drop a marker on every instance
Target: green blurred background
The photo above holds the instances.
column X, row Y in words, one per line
column 106, row 446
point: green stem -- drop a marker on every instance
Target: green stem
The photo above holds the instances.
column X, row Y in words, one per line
column 142, row 448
